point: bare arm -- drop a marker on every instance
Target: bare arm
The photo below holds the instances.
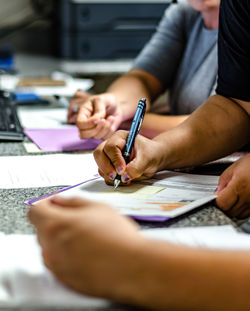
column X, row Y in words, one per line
column 129, row 88
column 100, row 115
column 155, row 124
column 215, row 129
column 117, row 262
column 180, row 278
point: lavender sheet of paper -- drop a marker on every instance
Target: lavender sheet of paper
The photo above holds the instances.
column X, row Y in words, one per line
column 64, row 139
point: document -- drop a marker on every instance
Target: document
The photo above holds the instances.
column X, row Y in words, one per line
column 168, row 194
column 26, row 282
column 43, row 117
column 217, row 237
column 46, row 170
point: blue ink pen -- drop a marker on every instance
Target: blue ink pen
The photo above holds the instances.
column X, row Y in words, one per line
column 134, row 129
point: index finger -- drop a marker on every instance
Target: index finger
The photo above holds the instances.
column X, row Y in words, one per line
column 41, row 212
column 108, row 155
column 85, row 118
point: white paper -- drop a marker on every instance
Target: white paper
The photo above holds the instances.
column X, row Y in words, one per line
column 46, row 170
column 43, row 117
column 217, row 237
column 173, row 194
column 25, row 281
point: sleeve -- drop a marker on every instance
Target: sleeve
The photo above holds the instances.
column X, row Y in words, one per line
column 234, row 49
column 162, row 54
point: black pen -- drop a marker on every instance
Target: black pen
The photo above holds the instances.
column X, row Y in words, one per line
column 134, row 129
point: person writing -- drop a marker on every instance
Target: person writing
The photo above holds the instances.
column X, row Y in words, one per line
column 181, row 57
column 117, row 262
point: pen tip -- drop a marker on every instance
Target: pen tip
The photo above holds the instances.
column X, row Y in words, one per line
column 116, row 183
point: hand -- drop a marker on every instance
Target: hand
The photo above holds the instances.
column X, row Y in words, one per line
column 99, row 117
column 144, row 161
column 234, row 189
column 77, row 100
column 82, row 248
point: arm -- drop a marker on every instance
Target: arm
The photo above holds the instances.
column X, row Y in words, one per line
column 215, row 129
column 155, row 124
column 117, row 262
column 153, row 71
column 100, row 115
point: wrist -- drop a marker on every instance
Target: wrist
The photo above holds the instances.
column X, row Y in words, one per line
column 160, row 153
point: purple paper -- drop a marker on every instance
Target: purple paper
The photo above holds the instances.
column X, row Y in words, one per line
column 150, row 218
column 65, row 139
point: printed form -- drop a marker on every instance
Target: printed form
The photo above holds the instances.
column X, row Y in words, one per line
column 168, row 194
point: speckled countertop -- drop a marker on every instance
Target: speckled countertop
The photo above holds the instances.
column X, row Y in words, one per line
column 13, row 211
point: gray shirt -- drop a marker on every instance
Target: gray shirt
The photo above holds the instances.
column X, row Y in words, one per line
column 182, row 54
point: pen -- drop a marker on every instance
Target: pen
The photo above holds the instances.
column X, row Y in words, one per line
column 134, row 129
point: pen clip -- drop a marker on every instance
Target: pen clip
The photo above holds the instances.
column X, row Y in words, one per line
column 140, row 125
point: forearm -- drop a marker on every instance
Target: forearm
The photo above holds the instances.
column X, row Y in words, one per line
column 155, row 124
column 179, row 278
column 216, row 129
column 132, row 86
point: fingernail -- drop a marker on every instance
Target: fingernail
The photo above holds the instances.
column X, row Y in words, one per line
column 112, row 176
column 75, row 109
column 125, row 178
column 218, row 189
column 119, row 169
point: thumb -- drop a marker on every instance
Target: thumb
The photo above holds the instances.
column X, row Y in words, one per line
column 43, row 211
column 225, row 178
column 72, row 202
column 227, row 197
column 99, row 108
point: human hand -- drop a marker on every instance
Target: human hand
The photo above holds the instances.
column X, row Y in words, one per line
column 234, row 189
column 82, row 248
column 99, row 117
column 144, row 162
column 77, row 100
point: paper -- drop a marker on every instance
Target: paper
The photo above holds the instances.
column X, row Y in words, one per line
column 31, row 148
column 66, row 139
column 217, row 237
column 43, row 117
column 135, row 191
column 172, row 194
column 25, row 281
column 46, row 170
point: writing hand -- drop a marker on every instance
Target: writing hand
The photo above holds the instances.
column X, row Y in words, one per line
column 144, row 161
column 234, row 189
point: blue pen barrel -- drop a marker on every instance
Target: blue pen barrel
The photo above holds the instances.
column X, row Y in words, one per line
column 134, row 129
